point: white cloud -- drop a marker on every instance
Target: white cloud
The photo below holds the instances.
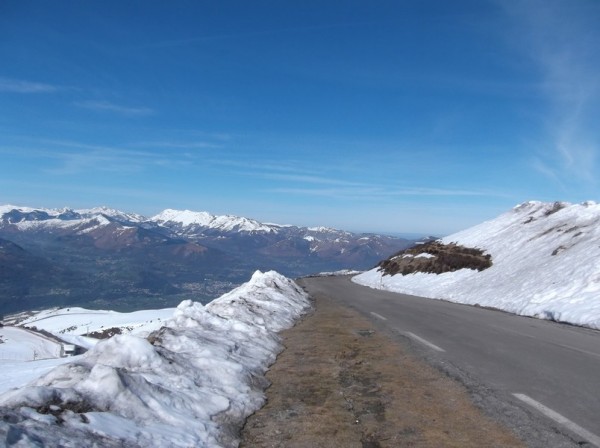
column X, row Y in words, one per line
column 562, row 40
column 72, row 157
column 106, row 106
column 378, row 192
column 22, row 86
column 178, row 144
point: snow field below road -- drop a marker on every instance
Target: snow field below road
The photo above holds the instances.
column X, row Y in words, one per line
column 191, row 383
column 545, row 264
column 21, row 345
column 18, row 373
column 71, row 323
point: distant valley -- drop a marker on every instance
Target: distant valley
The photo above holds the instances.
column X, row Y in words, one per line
column 106, row 258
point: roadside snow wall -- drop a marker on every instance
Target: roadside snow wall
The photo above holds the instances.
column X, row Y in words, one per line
column 191, row 383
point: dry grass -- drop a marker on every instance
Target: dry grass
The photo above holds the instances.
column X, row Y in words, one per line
column 444, row 258
column 341, row 383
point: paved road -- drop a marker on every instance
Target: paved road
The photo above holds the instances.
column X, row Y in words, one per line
column 545, row 367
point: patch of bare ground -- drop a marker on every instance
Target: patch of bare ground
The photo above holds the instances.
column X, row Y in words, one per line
column 435, row 257
column 341, row 383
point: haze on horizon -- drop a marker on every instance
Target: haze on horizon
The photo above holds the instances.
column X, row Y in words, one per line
column 395, row 117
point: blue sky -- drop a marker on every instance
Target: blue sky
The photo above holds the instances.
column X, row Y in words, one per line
column 389, row 116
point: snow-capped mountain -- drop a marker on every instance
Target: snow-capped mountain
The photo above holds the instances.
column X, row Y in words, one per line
column 188, row 222
column 280, row 241
column 106, row 258
column 117, row 215
column 19, row 215
column 544, row 263
column 65, row 221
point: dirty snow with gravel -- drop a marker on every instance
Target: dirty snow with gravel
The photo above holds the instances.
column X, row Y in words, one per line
column 191, row 383
column 545, row 264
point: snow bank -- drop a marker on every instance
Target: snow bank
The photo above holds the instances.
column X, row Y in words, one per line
column 336, row 273
column 545, row 264
column 191, row 383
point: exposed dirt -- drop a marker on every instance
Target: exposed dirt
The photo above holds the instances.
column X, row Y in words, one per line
column 340, row 383
column 441, row 258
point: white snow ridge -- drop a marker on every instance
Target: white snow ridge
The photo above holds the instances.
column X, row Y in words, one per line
column 545, row 264
column 225, row 223
column 190, row 384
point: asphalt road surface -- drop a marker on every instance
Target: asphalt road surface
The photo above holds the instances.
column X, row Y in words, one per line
column 546, row 369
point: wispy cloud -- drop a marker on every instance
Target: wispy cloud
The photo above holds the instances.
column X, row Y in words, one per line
column 308, row 179
column 22, row 86
column 544, row 168
column 107, row 106
column 377, row 192
column 337, row 183
column 562, row 40
column 113, row 161
column 419, row 191
column 72, row 158
column 291, row 172
column 256, row 169
column 250, row 34
column 178, row 144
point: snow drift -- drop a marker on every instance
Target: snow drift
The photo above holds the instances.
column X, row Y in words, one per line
column 191, row 383
column 545, row 264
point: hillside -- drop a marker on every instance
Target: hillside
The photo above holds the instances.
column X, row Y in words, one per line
column 544, row 263
column 109, row 259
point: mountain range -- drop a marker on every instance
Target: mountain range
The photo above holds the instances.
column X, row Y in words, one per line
column 106, row 258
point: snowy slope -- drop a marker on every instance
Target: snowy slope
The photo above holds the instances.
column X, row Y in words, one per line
column 25, row 356
column 21, row 213
column 22, row 345
column 192, row 383
column 112, row 213
column 545, row 264
column 70, row 323
column 28, row 219
column 18, row 373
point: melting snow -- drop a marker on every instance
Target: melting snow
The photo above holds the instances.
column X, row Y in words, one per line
column 424, row 255
column 192, row 383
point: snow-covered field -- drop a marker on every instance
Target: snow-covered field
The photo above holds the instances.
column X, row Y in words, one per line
column 71, row 323
column 546, row 264
column 18, row 373
column 25, row 355
column 190, row 383
column 19, row 344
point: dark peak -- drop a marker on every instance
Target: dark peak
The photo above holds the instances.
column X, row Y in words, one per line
column 15, row 216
